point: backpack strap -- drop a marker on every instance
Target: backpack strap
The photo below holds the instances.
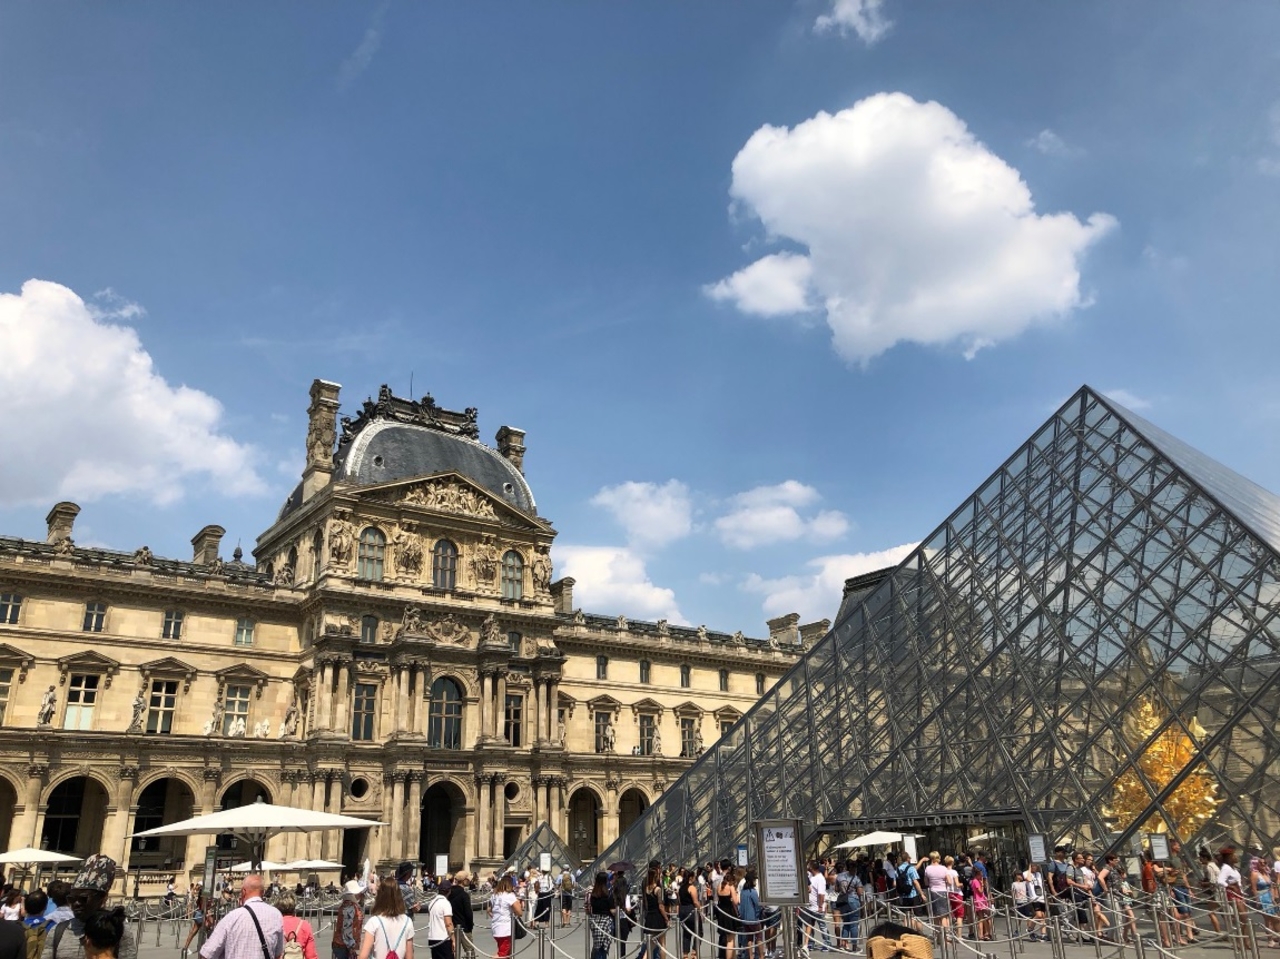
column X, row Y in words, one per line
column 266, row 953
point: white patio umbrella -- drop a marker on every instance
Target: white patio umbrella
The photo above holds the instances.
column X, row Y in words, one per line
column 29, row 856
column 312, row 865
column 872, row 839
column 266, row 866
column 257, row 822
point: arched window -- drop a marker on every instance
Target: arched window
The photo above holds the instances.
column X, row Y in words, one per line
column 444, row 565
column 317, row 550
column 444, row 719
column 646, row 671
column 373, row 548
column 293, row 563
column 368, row 629
column 512, row 575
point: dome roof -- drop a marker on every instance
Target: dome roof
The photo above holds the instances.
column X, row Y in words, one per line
column 385, row 451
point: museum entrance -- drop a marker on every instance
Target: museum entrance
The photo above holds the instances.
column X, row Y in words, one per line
column 160, row 803
column 74, row 814
column 442, row 834
column 631, row 805
column 584, row 825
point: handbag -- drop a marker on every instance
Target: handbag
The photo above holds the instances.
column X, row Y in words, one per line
column 518, row 929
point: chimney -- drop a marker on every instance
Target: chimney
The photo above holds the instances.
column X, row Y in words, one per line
column 812, row 632
column 205, row 545
column 322, row 421
column 61, row 519
column 511, row 445
column 562, row 594
column 784, row 630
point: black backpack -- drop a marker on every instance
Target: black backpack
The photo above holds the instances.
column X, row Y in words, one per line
column 906, row 889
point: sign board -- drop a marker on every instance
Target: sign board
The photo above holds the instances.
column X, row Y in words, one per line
column 742, row 854
column 1038, row 848
column 1159, row 846
column 442, row 865
column 781, row 863
column 544, row 861
column 909, row 846
column 210, row 869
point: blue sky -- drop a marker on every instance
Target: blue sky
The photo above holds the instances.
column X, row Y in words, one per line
column 771, row 286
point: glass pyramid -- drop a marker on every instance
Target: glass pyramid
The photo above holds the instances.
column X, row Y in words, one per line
column 1086, row 648
column 543, row 839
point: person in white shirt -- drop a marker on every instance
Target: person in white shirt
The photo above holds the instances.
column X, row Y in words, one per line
column 817, row 903
column 439, row 925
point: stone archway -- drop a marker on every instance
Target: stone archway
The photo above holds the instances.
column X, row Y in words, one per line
column 74, row 816
column 240, row 793
column 443, row 830
column 585, row 811
column 161, row 802
column 631, row 805
column 8, row 809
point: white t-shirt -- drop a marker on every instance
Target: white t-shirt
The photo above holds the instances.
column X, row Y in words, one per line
column 817, row 891
column 437, row 912
column 1021, row 892
column 389, row 933
column 1228, row 876
column 500, row 914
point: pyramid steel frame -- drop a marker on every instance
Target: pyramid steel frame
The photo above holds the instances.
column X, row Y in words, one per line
column 1087, row 648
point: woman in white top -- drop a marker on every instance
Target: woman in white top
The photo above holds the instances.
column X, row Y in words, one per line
column 1231, row 883
column 504, row 911
column 388, row 928
column 1209, row 886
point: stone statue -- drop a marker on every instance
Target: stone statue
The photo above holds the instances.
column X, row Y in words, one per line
column 698, row 744
column 237, row 729
column 739, row 638
column 773, row 641
column 214, row 726
column 139, row 708
column 702, row 634
column 340, row 543
column 142, row 556
column 579, row 618
column 262, row 729
column 218, row 567
column 663, row 628
column 610, row 738
column 208, row 727
column 284, row 575
column 414, row 621
column 447, row 629
column 289, row 725
column 541, row 570
column 560, row 731
column 65, row 546
column 408, row 551
column 484, row 562
column 622, row 623
column 490, row 633
column 657, row 741
column 48, row 706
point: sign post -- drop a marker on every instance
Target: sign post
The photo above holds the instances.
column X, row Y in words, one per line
column 1037, row 848
column 442, row 865
column 781, row 861
column 210, row 872
column 1159, row 846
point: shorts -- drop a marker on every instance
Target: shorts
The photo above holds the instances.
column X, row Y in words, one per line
column 1027, row 910
column 1181, row 900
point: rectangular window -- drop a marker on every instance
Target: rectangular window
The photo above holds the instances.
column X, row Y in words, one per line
column 648, row 730
column 363, row 710
column 602, row 724
column 759, row 684
column 685, row 676
column 687, row 748
column 172, row 624
column 95, row 617
column 82, row 696
column 164, row 701
column 235, row 705
column 724, row 680
column 513, row 724
column 10, row 606
column 244, row 632
column 6, row 681
column 725, row 726
column 368, row 629
column 602, row 667
column 646, row 671
column 515, row 641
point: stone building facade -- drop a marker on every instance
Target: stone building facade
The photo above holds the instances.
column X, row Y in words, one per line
column 398, row 651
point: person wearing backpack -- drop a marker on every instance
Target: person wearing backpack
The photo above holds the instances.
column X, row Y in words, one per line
column 299, row 939
column 34, row 922
column 388, row 931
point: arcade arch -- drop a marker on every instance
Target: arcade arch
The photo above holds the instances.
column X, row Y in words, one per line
column 443, row 830
column 74, row 814
column 585, row 814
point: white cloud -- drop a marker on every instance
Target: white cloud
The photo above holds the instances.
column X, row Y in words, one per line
column 1128, row 399
column 652, row 515
column 915, row 231
column 98, row 417
column 774, row 285
column 110, row 305
column 817, row 595
column 1050, row 144
column 864, row 17
column 363, row 54
column 613, row 579
column 771, row 514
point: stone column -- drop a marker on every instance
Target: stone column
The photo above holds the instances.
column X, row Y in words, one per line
column 485, row 693
column 397, row 816
column 317, row 804
column 342, row 721
column 557, row 808
column 417, row 683
column 553, row 711
column 498, row 786
column 500, row 706
column 324, row 696
column 484, row 800
column 116, row 832
column 414, row 814
column 331, row 847
column 537, row 782
column 24, row 828
column 540, row 711
column 399, row 717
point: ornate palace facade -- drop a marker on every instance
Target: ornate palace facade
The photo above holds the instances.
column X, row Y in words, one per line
column 399, row 651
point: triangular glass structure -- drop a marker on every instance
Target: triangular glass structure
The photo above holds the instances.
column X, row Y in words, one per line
column 542, row 840
column 1087, row 648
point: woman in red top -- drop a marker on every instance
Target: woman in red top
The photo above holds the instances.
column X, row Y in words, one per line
column 295, row 929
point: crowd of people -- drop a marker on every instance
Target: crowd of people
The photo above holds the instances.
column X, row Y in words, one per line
column 66, row 920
